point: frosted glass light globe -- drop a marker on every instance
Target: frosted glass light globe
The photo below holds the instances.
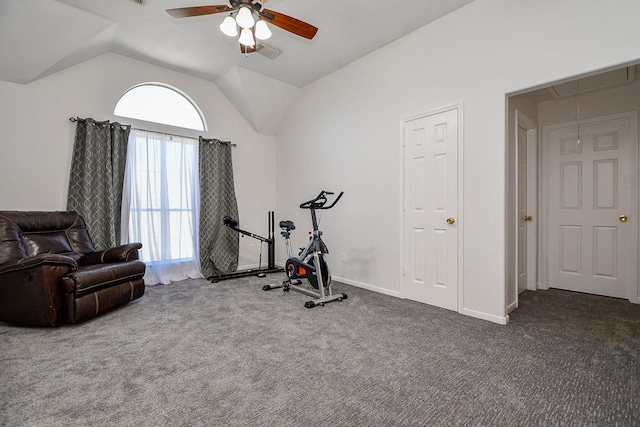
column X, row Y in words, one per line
column 228, row 26
column 262, row 30
column 246, row 37
column 245, row 18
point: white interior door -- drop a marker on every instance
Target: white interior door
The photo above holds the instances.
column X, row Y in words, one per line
column 592, row 201
column 524, row 217
column 431, row 208
column 527, row 195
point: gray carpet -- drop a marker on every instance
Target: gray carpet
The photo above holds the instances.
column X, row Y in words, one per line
column 195, row 353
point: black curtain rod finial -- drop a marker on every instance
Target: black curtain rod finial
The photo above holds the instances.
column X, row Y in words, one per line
column 218, row 141
column 103, row 124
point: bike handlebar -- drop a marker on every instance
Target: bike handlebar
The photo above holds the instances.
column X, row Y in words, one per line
column 320, row 201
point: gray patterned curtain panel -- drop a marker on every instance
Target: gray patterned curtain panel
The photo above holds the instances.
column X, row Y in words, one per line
column 97, row 174
column 218, row 244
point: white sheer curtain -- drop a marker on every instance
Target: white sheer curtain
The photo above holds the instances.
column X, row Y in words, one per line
column 160, row 204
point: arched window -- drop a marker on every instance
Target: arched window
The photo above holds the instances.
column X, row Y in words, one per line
column 161, row 181
column 160, row 103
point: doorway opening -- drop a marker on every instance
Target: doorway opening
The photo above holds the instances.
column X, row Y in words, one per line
column 572, row 192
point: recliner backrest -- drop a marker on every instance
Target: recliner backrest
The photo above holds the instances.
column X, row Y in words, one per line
column 27, row 234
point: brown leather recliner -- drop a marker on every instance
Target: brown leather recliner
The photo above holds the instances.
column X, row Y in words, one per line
column 51, row 273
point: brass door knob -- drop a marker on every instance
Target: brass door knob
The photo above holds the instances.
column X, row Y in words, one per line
column 528, row 218
column 450, row 220
column 623, row 218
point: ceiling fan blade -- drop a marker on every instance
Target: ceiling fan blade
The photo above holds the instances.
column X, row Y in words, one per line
column 185, row 12
column 290, row 24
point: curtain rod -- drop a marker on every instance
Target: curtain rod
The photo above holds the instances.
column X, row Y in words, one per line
column 210, row 141
column 78, row 119
column 217, row 141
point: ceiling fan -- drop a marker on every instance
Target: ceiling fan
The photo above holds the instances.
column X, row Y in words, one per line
column 250, row 29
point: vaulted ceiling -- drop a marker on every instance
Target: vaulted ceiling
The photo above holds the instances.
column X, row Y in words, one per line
column 40, row 37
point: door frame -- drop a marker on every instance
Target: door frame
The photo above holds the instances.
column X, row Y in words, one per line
column 531, row 128
column 543, row 273
column 460, row 216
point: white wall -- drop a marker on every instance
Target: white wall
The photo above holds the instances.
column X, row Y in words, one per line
column 36, row 136
column 344, row 133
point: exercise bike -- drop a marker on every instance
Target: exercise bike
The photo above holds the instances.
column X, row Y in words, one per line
column 311, row 263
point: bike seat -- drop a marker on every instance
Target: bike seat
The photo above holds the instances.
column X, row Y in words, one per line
column 287, row 225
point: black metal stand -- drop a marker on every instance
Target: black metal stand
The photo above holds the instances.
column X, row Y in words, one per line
column 271, row 251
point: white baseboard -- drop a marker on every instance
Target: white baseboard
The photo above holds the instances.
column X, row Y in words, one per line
column 255, row 266
column 466, row 311
column 484, row 316
column 248, row 267
column 367, row 286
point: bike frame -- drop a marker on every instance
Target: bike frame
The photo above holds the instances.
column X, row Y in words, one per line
column 316, row 250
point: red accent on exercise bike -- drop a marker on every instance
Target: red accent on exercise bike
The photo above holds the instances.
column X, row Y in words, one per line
column 296, row 269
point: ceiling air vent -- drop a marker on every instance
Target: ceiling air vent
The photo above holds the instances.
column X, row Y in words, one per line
column 267, row 51
column 139, row 1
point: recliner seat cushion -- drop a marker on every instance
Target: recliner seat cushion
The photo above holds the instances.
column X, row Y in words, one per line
column 92, row 278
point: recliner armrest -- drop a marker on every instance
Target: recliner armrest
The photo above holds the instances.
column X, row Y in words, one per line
column 42, row 259
column 30, row 291
column 126, row 252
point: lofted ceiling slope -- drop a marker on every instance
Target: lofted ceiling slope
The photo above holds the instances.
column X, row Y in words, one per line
column 40, row 37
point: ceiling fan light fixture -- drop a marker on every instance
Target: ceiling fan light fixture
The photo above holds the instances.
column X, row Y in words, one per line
column 246, row 37
column 228, row 26
column 245, row 18
column 262, row 30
